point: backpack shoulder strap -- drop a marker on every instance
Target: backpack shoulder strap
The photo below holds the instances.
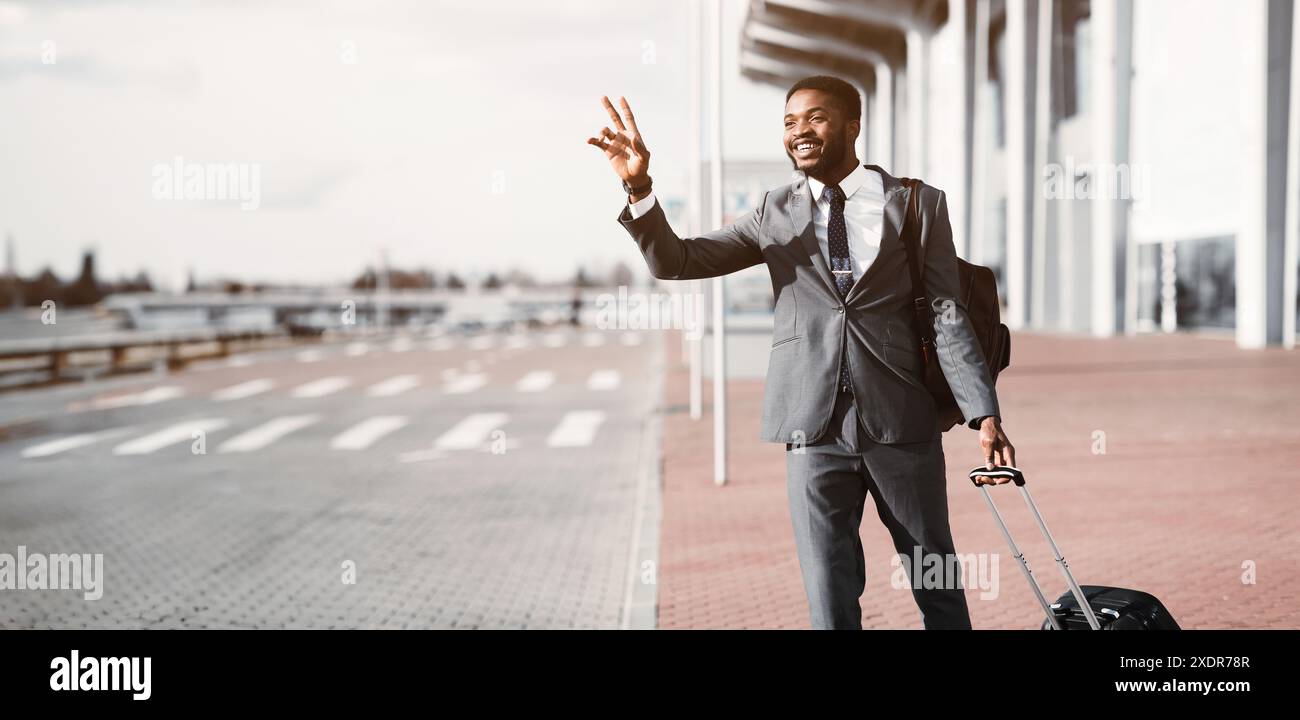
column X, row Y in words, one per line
column 910, row 236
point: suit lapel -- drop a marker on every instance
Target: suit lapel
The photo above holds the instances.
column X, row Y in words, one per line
column 800, row 204
column 801, row 212
column 891, row 223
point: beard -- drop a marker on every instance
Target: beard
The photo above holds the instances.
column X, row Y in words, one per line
column 832, row 154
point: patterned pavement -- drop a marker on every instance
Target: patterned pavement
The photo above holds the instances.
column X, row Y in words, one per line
column 1169, row 464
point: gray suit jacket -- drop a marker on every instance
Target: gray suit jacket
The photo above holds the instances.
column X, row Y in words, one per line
column 813, row 325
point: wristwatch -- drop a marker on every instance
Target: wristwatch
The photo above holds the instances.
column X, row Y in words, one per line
column 638, row 190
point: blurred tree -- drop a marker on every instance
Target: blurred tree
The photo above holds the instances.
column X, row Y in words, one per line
column 85, row 289
column 45, row 286
column 368, row 280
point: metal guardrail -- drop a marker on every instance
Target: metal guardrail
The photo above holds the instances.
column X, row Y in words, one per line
column 57, row 350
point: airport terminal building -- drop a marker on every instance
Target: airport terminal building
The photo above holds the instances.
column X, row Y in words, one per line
column 1124, row 166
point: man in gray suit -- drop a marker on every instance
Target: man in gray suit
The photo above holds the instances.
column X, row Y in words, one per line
column 844, row 388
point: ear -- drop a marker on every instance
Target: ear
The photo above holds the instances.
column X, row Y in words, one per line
column 855, row 128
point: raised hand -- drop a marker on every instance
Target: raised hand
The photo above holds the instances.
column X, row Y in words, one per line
column 625, row 149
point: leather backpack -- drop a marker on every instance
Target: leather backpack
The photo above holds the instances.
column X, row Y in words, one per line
column 979, row 293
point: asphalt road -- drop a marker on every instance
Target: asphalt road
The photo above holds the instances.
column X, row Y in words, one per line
column 469, row 482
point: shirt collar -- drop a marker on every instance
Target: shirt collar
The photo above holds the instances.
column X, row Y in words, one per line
column 849, row 184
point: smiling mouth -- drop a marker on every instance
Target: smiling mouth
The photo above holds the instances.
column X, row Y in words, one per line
column 806, row 148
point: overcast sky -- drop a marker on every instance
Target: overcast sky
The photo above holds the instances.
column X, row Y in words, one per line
column 375, row 125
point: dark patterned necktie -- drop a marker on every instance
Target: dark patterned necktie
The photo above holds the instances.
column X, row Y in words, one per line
column 841, row 265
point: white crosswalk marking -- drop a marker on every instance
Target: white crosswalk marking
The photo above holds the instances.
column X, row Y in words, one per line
column 243, row 390
column 267, row 433
column 631, row 338
column 604, row 380
column 462, row 384
column 576, row 429
column 148, row 397
column 400, row 345
column 69, row 442
column 180, row 432
column 471, row 432
column 239, row 361
column 516, row 342
column 535, row 381
column 309, row 356
column 356, row 349
column 442, row 343
column 554, row 340
column 321, row 388
column 393, row 386
column 365, row 433
column 483, row 342
column 593, row 339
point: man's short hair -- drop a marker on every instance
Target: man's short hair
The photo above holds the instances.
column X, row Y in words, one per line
column 844, row 93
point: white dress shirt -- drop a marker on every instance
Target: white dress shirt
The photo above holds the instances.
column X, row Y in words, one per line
column 864, row 211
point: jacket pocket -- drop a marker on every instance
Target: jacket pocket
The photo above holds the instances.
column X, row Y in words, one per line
column 779, row 343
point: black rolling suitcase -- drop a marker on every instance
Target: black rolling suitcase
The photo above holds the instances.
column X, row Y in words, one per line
column 1080, row 608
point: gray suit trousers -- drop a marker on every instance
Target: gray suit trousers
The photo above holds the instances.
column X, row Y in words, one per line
column 828, row 483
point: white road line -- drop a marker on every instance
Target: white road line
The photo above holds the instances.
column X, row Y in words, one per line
column 180, row 432
column 322, row 387
column 554, row 340
column 309, row 356
column 267, row 433
column 239, row 361
column 535, row 381
column 243, row 390
column 400, row 345
column 471, row 432
column 365, row 433
column 464, row 383
column 442, row 343
column 593, row 339
column 148, row 397
column 393, row 386
column 604, row 380
column 69, row 442
column 516, row 342
column 483, row 342
column 576, row 429
column 631, row 338
column 356, row 349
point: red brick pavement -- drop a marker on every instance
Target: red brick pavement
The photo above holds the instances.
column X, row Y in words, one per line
column 1199, row 476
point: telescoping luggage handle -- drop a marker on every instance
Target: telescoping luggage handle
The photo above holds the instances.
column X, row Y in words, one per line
column 1017, row 477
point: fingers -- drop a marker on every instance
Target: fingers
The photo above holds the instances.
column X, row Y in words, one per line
column 609, row 141
column 987, row 445
column 627, row 110
column 613, row 114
